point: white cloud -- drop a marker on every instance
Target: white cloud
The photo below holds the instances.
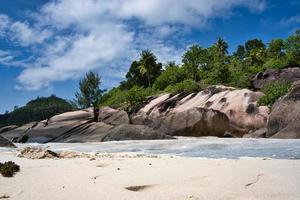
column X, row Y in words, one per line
column 191, row 12
column 21, row 32
column 105, row 35
column 293, row 20
column 5, row 57
column 86, row 52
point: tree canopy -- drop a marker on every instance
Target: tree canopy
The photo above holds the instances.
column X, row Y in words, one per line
column 205, row 66
column 89, row 90
column 36, row 110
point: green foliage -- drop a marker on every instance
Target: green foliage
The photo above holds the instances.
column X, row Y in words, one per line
column 276, row 48
column 8, row 169
column 221, row 46
column 240, row 52
column 239, row 75
column 217, row 71
column 126, row 99
column 212, row 65
column 142, row 72
column 171, row 76
column 187, row 85
column 276, row 63
column 137, row 95
column 116, row 98
column 195, row 58
column 134, row 77
column 274, row 91
column 292, row 46
column 90, row 93
column 36, row 110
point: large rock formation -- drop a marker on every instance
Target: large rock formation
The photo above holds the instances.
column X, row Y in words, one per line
column 5, row 142
column 239, row 105
column 262, row 78
column 194, row 122
column 47, row 130
column 8, row 128
column 79, row 126
column 284, row 120
column 113, row 116
column 134, row 132
column 16, row 133
column 88, row 132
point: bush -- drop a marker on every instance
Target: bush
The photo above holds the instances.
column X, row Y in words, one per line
column 273, row 91
column 275, row 63
column 126, row 99
column 187, row 85
column 8, row 169
column 170, row 76
column 115, row 98
column 136, row 96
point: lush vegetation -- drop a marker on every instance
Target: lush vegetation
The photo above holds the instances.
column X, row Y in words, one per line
column 273, row 91
column 205, row 66
column 36, row 110
column 200, row 66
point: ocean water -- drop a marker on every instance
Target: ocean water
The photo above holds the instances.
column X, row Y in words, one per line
column 207, row 147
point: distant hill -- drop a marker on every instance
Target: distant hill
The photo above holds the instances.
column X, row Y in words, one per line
column 36, row 110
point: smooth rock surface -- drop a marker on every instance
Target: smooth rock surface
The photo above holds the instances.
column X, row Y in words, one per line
column 239, row 105
column 5, row 142
column 17, row 133
column 262, row 78
column 113, row 116
column 195, row 122
column 284, row 120
column 89, row 132
column 81, row 115
column 260, row 133
column 134, row 132
column 8, row 128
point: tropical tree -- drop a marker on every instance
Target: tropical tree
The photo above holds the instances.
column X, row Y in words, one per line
column 134, row 77
column 148, row 65
column 90, row 92
column 170, row 64
column 193, row 59
column 221, row 45
column 254, row 44
column 292, row 46
column 240, row 52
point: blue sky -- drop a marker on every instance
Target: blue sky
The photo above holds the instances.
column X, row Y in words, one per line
column 47, row 45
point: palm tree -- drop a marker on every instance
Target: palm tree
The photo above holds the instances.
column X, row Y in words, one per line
column 170, row 64
column 221, row 45
column 147, row 64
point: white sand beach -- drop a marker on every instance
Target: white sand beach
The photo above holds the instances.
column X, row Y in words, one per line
column 114, row 176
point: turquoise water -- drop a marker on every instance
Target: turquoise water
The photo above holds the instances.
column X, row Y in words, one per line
column 209, row 147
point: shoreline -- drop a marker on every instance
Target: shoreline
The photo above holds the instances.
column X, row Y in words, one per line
column 132, row 176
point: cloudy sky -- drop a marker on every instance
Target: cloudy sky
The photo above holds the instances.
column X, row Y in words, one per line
column 46, row 46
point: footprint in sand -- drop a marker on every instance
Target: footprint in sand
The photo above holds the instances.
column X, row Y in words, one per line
column 4, row 197
column 138, row 188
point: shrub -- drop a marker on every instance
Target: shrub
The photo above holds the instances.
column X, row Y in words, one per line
column 273, row 91
column 8, row 169
column 126, row 99
column 114, row 98
column 170, row 76
column 136, row 96
column 187, row 85
column 276, row 63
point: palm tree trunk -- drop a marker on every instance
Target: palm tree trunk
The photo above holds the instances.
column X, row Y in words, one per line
column 149, row 82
